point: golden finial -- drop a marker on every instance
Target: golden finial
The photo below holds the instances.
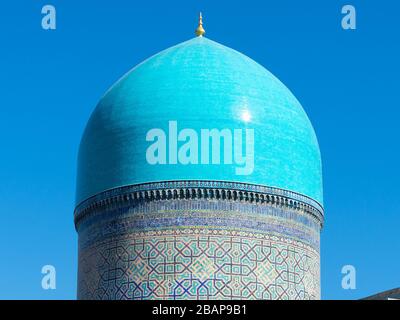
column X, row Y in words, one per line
column 200, row 30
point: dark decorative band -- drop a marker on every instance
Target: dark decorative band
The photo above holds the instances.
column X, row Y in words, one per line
column 106, row 230
column 212, row 190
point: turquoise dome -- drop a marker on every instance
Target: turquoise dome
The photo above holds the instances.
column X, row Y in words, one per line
column 199, row 84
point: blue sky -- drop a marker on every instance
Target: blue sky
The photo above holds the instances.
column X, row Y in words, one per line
column 347, row 81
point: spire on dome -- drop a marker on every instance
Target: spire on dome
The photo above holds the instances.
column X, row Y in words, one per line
column 200, row 30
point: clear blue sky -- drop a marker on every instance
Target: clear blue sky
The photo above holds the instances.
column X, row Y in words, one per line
column 347, row 81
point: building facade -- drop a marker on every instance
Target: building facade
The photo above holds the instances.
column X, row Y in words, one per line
column 161, row 214
column 393, row 294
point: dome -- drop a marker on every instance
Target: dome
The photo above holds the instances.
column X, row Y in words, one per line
column 199, row 84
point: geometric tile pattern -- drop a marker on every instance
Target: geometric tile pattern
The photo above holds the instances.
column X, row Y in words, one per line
column 180, row 248
column 199, row 264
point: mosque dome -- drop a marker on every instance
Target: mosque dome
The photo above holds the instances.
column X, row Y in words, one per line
column 199, row 177
column 199, row 84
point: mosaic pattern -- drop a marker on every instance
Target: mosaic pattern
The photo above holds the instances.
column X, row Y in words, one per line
column 201, row 248
column 199, row 264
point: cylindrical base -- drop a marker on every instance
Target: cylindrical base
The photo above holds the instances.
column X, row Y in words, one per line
column 193, row 247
